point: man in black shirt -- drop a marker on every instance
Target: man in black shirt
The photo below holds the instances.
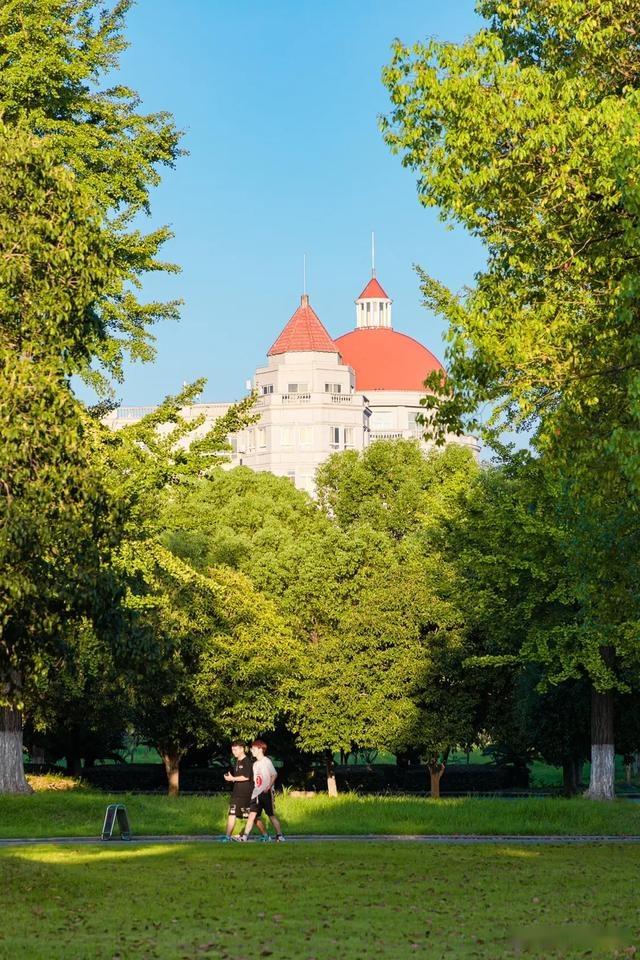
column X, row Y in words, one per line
column 242, row 780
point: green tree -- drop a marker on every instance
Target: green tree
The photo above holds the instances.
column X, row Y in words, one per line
column 261, row 526
column 358, row 656
column 80, row 708
column 227, row 659
column 175, row 619
column 57, row 526
column 57, row 65
column 400, row 630
column 72, row 262
column 526, row 134
column 356, row 584
column 523, row 580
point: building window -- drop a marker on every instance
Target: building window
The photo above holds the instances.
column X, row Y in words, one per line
column 382, row 420
column 286, row 436
column 332, row 388
column 267, row 388
column 306, row 436
column 334, row 438
column 348, row 438
column 291, row 475
column 298, row 388
column 251, row 441
column 262, row 438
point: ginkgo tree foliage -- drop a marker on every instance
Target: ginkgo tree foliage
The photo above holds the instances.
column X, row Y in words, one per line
column 58, row 526
column 527, row 135
column 59, row 63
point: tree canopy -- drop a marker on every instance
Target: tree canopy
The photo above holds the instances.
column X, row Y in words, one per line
column 58, row 60
column 526, row 134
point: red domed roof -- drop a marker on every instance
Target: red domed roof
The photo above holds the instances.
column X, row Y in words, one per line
column 384, row 359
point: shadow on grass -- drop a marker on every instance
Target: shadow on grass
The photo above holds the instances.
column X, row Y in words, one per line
column 334, row 901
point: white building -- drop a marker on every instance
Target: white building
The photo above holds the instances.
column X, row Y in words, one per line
column 316, row 395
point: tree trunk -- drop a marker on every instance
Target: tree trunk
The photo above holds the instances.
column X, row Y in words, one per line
column 332, row 786
column 12, row 778
column 571, row 771
column 171, row 758
column 578, row 772
column 74, row 764
column 602, row 780
column 436, row 771
column 568, row 785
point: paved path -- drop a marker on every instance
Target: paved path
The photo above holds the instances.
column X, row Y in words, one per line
column 323, row 838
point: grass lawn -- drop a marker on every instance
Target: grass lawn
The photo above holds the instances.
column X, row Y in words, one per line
column 319, row 902
column 81, row 812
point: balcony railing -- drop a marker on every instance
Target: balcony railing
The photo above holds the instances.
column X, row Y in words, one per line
column 134, row 413
column 271, row 399
column 386, row 434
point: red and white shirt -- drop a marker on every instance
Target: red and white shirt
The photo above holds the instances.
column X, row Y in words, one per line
column 264, row 775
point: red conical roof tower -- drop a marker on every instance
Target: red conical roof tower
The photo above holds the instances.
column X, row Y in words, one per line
column 373, row 291
column 304, row 333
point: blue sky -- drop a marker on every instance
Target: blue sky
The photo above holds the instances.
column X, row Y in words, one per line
column 279, row 102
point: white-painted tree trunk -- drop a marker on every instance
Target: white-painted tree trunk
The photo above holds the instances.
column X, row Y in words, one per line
column 603, row 755
column 601, row 782
column 12, row 778
column 332, row 785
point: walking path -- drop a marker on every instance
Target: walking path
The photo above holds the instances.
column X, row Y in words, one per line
column 324, row 838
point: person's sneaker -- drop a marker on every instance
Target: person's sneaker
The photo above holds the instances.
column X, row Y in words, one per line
column 225, row 839
column 280, row 838
column 266, row 838
column 241, row 838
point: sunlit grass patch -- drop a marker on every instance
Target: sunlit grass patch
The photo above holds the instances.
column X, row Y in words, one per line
column 89, row 854
column 334, row 901
column 54, row 781
column 81, row 813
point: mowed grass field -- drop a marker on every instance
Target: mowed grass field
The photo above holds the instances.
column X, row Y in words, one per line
column 324, row 901
column 53, row 813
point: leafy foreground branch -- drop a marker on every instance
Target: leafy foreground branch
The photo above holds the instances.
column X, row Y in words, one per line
column 526, row 134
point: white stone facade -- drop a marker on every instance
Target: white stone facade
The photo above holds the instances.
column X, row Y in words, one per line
column 308, row 409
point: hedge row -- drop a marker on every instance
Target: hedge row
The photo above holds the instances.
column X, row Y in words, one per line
column 372, row 778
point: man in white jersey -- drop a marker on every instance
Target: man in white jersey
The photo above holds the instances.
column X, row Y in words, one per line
column 262, row 797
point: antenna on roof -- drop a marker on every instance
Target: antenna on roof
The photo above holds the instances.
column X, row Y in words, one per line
column 373, row 254
column 304, row 274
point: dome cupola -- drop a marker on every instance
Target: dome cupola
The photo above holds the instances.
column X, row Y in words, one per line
column 383, row 358
column 373, row 306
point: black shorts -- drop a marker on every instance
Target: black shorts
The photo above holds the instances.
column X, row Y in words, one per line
column 264, row 803
column 240, row 808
